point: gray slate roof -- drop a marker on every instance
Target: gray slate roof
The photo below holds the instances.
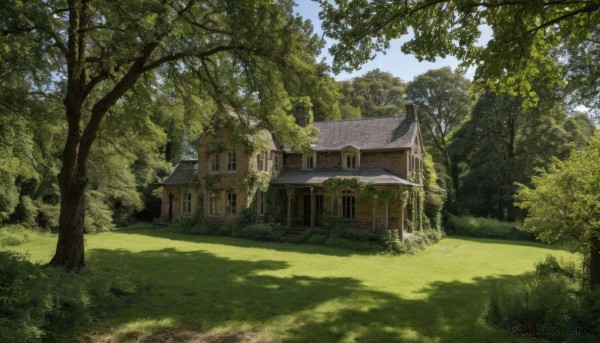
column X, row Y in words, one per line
column 186, row 172
column 366, row 134
column 367, row 176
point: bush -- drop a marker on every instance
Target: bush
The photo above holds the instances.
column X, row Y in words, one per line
column 47, row 304
column 552, row 299
column 13, row 235
column 246, row 217
column 317, row 238
column 260, row 232
column 210, row 229
column 487, row 228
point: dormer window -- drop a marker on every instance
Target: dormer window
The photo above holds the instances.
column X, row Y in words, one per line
column 350, row 158
column 309, row 161
column 350, row 161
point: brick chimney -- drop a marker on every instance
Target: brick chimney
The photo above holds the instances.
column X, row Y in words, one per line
column 302, row 114
column 411, row 112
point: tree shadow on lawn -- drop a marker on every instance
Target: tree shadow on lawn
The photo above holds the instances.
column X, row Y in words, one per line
column 171, row 234
column 536, row 244
column 200, row 295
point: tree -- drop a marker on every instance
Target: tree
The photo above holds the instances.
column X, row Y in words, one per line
column 502, row 144
column 93, row 54
column 444, row 103
column 564, row 203
column 376, row 94
column 524, row 34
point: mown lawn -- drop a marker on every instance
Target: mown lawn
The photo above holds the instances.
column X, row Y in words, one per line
column 227, row 290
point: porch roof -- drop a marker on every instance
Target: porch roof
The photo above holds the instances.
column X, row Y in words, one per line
column 186, row 172
column 316, row 177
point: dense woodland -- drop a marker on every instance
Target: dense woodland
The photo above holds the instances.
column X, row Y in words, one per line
column 481, row 145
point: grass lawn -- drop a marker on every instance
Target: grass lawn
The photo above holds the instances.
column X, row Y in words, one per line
column 226, row 290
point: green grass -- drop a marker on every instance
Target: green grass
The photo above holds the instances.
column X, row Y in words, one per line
column 226, row 289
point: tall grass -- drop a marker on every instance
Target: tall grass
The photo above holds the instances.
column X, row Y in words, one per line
column 487, row 228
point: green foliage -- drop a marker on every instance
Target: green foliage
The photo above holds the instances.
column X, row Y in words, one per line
column 434, row 195
column 260, row 232
column 486, row 228
column 246, row 217
column 48, row 305
column 511, row 144
column 524, row 35
column 552, row 299
column 375, row 94
column 11, row 235
column 563, row 202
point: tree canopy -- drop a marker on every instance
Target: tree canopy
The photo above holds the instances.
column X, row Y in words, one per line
column 525, row 35
column 375, row 94
column 564, row 203
column 107, row 60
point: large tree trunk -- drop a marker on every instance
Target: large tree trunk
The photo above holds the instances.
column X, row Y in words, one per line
column 595, row 262
column 70, row 247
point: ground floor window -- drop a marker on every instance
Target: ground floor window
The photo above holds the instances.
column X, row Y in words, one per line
column 213, row 203
column 231, row 204
column 187, row 203
column 260, row 203
column 348, row 205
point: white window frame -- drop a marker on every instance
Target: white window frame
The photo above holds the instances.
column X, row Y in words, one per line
column 186, row 202
column 213, row 203
column 350, row 154
column 309, row 161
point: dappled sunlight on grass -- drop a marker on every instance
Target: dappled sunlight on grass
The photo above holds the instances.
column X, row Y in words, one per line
column 222, row 288
column 143, row 327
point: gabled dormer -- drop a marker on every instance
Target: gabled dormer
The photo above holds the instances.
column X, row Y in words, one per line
column 350, row 157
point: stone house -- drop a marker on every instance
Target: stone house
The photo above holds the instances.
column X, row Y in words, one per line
column 364, row 170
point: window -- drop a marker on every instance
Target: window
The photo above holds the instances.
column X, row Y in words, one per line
column 213, row 204
column 348, row 205
column 186, row 207
column 276, row 162
column 350, row 160
column 231, row 161
column 308, row 161
column 260, row 203
column 260, row 162
column 214, row 163
column 231, row 204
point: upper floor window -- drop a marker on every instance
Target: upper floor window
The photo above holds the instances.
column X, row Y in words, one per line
column 213, row 165
column 348, row 205
column 231, row 161
column 213, row 204
column 308, row 161
column 350, row 160
column 260, row 162
column 231, row 204
column 186, row 207
column 276, row 162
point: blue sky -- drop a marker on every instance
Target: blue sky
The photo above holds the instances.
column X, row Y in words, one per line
column 394, row 61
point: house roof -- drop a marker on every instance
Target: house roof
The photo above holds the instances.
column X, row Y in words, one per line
column 366, row 134
column 367, row 176
column 186, row 172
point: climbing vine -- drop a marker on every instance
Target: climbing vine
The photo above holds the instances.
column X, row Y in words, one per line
column 212, row 182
